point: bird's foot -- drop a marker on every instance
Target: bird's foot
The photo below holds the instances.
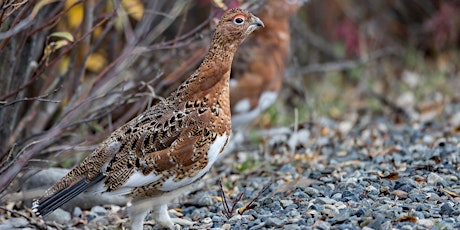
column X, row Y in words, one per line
column 161, row 216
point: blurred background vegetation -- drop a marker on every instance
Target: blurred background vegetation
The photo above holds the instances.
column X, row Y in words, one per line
column 73, row 71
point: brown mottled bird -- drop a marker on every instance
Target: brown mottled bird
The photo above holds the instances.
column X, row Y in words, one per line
column 172, row 144
column 258, row 69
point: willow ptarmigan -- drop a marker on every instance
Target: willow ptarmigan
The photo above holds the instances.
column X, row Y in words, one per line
column 258, row 69
column 172, row 144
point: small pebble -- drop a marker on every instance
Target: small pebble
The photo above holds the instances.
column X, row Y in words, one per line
column 98, row 210
column 446, row 209
column 274, row 222
column 60, row 216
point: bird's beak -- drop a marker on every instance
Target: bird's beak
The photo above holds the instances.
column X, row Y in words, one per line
column 256, row 21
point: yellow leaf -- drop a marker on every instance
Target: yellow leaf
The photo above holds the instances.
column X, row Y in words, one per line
column 134, row 8
column 218, row 198
column 241, row 210
column 69, row 3
column 95, row 62
column 64, row 65
column 220, row 4
column 59, row 44
column 62, row 35
column 75, row 15
column 97, row 32
column 59, row 40
column 38, row 6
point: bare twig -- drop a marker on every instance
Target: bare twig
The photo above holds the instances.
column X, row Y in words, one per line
column 38, row 98
column 228, row 212
column 251, row 203
column 343, row 65
column 31, row 220
column 393, row 106
column 39, row 71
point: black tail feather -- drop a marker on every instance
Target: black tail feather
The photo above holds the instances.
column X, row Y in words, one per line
column 53, row 202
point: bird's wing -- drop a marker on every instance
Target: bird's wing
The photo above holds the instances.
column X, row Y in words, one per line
column 185, row 154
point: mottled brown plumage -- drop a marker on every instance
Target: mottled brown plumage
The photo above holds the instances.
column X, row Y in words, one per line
column 172, row 144
column 258, row 69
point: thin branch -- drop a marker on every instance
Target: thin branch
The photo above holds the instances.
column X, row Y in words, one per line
column 251, row 204
column 227, row 213
column 39, row 71
column 343, row 65
column 393, row 106
column 170, row 43
column 31, row 220
column 22, row 157
column 38, row 98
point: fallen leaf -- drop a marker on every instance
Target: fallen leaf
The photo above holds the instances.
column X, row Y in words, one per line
column 453, row 194
column 391, row 177
column 456, row 129
column 325, row 131
column 350, row 163
column 291, row 186
column 407, row 218
column 385, row 151
column 218, row 198
column 400, row 194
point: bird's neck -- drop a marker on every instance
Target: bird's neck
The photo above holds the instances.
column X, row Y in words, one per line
column 216, row 66
column 219, row 53
column 212, row 77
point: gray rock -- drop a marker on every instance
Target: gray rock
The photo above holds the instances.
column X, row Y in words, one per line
column 343, row 215
column 285, row 203
column 77, row 212
column 291, row 207
column 99, row 210
column 206, row 201
column 292, row 227
column 311, row 191
column 325, row 200
column 434, row 178
column 14, row 223
column 99, row 221
column 446, row 209
column 274, row 222
column 60, row 216
column 217, row 218
column 323, row 225
column 259, row 226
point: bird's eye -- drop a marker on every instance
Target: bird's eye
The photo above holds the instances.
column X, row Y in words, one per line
column 239, row 19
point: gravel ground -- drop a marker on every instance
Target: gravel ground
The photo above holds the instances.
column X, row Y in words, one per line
column 371, row 173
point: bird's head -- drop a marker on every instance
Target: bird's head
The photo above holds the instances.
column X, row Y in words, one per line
column 235, row 25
